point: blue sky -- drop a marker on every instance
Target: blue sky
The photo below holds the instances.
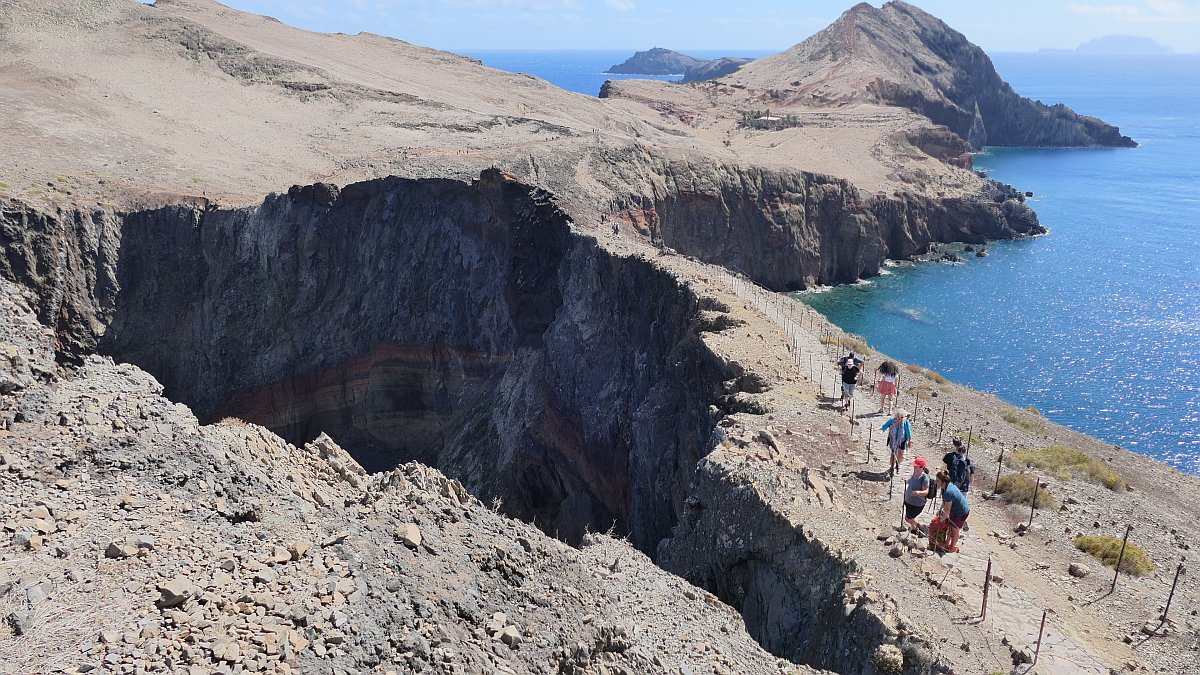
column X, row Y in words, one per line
column 1015, row 25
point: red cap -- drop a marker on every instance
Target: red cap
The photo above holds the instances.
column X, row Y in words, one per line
column 920, row 462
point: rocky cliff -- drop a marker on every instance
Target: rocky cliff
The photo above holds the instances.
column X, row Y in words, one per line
column 714, row 68
column 901, row 55
column 656, row 61
column 791, row 230
column 420, row 320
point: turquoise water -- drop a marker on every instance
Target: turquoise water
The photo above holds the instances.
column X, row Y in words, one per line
column 583, row 71
column 1098, row 323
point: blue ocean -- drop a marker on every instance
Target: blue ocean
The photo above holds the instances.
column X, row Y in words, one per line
column 583, row 70
column 1096, row 324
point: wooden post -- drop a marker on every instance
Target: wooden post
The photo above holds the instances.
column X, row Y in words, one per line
column 970, row 433
column 902, row 528
column 1120, row 558
column 1178, row 571
column 1038, row 651
column 870, row 437
column 987, row 587
column 942, row 424
column 999, row 466
column 916, row 404
column 1033, row 502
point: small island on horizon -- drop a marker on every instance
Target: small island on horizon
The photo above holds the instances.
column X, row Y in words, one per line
column 1123, row 45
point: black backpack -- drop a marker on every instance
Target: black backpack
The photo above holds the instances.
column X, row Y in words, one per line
column 932, row 494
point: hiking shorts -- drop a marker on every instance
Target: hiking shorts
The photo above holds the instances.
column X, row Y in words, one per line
column 911, row 511
column 848, row 390
column 959, row 521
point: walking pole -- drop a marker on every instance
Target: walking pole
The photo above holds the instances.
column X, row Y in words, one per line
column 999, row 466
column 1039, row 642
column 1178, row 571
column 970, row 433
column 1120, row 558
column 942, row 425
column 1033, row 502
column 987, row 587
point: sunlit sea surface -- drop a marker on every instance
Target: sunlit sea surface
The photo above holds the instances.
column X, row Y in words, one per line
column 1096, row 324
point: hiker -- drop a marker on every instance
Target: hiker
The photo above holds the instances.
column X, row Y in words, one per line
column 954, row 508
column 851, row 373
column 899, row 435
column 889, row 385
column 959, row 467
column 916, row 493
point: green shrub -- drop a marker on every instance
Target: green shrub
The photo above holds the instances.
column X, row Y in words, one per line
column 1068, row 463
column 1107, row 549
column 1018, row 488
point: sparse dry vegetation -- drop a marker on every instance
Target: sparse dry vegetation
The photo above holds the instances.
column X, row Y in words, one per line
column 1024, row 422
column 850, row 342
column 1068, row 463
column 1108, row 549
column 1018, row 488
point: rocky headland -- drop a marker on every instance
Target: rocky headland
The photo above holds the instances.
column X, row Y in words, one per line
column 479, row 392
column 659, row 61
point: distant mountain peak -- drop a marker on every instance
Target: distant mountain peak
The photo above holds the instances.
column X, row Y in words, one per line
column 901, row 55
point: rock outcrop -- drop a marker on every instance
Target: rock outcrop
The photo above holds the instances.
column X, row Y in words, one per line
column 790, row 230
column 714, row 68
column 909, row 58
column 656, row 61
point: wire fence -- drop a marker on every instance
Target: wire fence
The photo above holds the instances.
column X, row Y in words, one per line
column 815, row 345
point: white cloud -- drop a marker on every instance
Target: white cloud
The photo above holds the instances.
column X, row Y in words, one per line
column 620, row 5
column 1145, row 11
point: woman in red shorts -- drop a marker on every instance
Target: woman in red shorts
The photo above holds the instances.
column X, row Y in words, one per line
column 888, row 385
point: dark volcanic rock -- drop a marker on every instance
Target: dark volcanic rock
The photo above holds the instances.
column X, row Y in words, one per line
column 656, row 61
column 462, row 325
column 715, row 68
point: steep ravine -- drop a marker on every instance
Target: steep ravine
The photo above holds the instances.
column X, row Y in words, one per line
column 463, row 325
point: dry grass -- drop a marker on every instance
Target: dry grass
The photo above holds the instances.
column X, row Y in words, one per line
column 850, row 342
column 1108, row 549
column 1018, row 488
column 936, row 376
column 1024, row 422
column 1067, row 463
column 63, row 624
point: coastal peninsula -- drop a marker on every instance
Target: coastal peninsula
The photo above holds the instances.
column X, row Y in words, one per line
column 352, row 370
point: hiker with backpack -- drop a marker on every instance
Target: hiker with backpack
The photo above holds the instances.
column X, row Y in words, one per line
column 851, row 367
column 898, row 437
column 960, row 467
column 916, row 494
column 954, row 511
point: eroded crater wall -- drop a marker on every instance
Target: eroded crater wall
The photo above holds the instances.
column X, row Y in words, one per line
column 465, row 326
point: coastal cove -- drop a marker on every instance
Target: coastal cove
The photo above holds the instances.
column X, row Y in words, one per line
column 1095, row 324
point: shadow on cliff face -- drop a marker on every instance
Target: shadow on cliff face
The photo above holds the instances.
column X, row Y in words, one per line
column 464, row 326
